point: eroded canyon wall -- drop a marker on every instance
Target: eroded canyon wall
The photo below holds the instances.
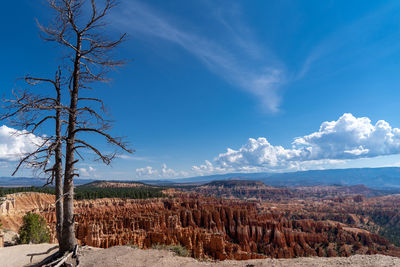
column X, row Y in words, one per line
column 14, row 206
column 216, row 228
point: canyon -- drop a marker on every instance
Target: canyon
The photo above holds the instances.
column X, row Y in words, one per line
column 324, row 221
column 218, row 229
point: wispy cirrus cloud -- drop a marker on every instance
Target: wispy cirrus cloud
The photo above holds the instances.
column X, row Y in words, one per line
column 235, row 56
column 134, row 158
column 364, row 33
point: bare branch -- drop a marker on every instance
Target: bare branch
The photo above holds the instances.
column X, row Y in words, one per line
column 113, row 140
column 34, row 80
column 105, row 158
column 39, row 150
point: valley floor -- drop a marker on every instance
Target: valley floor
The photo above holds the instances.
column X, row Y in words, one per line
column 127, row 256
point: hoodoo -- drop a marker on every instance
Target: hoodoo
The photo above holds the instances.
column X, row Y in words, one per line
column 216, row 228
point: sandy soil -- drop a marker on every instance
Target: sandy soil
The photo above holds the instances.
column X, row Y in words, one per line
column 126, row 256
column 20, row 255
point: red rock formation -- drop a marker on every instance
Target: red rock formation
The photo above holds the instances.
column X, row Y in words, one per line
column 20, row 203
column 220, row 229
column 15, row 206
column 227, row 229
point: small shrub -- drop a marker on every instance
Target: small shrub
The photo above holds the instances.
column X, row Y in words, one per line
column 132, row 245
column 159, row 246
column 33, row 230
column 177, row 249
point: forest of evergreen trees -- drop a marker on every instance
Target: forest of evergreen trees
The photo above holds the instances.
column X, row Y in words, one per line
column 87, row 192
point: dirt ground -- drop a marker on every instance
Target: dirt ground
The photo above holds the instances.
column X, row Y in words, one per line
column 20, row 255
column 126, row 256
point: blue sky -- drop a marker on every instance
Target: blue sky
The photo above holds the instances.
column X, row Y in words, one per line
column 205, row 76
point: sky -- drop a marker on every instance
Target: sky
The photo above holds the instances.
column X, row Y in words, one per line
column 231, row 86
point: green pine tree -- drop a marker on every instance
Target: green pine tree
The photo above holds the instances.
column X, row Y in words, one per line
column 34, row 229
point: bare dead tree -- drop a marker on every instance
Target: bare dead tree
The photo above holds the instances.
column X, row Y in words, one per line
column 90, row 59
column 30, row 112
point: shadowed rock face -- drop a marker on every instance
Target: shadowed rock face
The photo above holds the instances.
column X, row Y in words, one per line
column 220, row 229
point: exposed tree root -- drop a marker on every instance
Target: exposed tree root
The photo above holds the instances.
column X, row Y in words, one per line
column 42, row 253
column 57, row 259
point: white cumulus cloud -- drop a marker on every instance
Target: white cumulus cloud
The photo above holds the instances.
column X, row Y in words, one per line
column 257, row 153
column 147, row 171
column 350, row 137
column 347, row 138
column 207, row 168
column 87, row 172
column 14, row 143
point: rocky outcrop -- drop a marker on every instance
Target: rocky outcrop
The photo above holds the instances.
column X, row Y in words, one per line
column 7, row 205
column 20, row 203
column 14, row 206
column 226, row 228
column 215, row 228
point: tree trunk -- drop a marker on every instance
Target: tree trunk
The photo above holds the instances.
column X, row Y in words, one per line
column 68, row 234
column 58, row 166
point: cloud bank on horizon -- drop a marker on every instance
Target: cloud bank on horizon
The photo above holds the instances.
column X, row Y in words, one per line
column 345, row 139
column 336, row 141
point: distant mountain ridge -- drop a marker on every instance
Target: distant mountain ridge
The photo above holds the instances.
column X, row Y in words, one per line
column 33, row 181
column 378, row 178
column 234, row 183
